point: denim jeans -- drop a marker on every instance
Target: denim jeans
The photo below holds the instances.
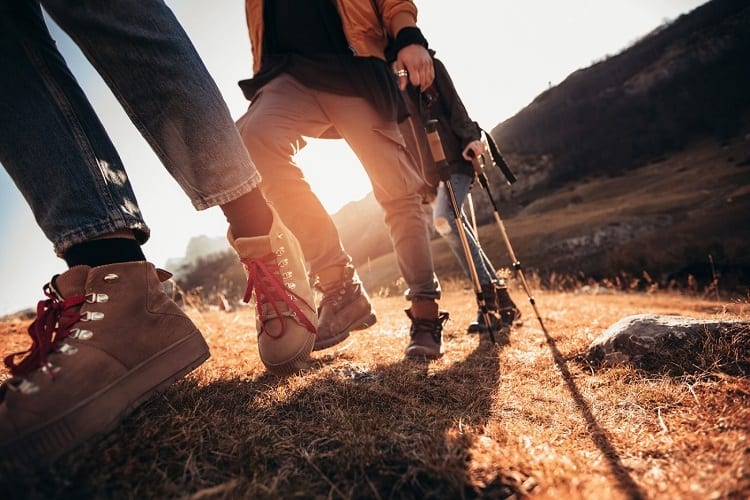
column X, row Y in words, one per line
column 55, row 148
column 281, row 115
column 445, row 223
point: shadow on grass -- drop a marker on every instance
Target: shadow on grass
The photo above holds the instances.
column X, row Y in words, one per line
column 599, row 435
column 343, row 431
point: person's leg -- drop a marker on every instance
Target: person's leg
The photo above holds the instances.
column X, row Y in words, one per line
column 445, row 224
column 146, row 58
column 273, row 130
column 494, row 290
column 380, row 147
column 107, row 337
column 180, row 112
column 54, row 146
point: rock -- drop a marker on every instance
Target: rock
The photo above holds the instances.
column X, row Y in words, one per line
column 672, row 343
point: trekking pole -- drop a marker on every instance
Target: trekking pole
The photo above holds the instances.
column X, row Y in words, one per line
column 438, row 156
column 516, row 264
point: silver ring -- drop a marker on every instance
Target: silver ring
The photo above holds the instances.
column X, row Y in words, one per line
column 401, row 72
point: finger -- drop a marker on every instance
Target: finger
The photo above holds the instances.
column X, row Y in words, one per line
column 415, row 79
column 402, row 77
column 402, row 82
column 429, row 75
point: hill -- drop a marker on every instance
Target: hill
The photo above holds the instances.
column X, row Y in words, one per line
column 684, row 82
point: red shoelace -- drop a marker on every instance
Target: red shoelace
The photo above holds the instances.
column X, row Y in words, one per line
column 54, row 318
column 264, row 276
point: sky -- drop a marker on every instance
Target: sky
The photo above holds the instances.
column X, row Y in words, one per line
column 501, row 54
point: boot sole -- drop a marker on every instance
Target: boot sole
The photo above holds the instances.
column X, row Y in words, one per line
column 95, row 416
column 421, row 353
column 362, row 323
column 297, row 363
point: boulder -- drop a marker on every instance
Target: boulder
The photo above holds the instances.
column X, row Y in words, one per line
column 675, row 344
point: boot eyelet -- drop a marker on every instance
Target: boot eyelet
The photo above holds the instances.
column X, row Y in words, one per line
column 291, row 286
column 283, row 262
column 67, row 349
column 50, row 369
column 92, row 316
column 79, row 334
column 280, row 235
column 93, row 298
column 109, row 278
column 280, row 251
column 287, row 275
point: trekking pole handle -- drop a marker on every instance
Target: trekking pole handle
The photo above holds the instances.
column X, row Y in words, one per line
column 436, row 145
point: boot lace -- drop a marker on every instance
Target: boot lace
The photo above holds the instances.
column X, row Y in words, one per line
column 264, row 276
column 434, row 327
column 54, row 317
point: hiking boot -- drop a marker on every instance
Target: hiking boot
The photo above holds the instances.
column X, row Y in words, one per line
column 426, row 336
column 509, row 314
column 345, row 306
column 105, row 340
column 490, row 299
column 502, row 311
column 286, row 320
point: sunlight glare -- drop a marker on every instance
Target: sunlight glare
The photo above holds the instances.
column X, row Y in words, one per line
column 333, row 172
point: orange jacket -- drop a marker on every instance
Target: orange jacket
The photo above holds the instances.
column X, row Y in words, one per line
column 366, row 29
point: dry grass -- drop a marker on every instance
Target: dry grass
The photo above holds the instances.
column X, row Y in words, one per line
column 527, row 418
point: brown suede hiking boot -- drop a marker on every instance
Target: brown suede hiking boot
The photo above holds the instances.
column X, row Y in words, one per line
column 345, row 306
column 426, row 336
column 286, row 319
column 106, row 339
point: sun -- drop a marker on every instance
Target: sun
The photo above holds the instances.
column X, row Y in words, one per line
column 334, row 172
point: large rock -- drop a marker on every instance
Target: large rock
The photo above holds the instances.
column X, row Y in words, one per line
column 673, row 344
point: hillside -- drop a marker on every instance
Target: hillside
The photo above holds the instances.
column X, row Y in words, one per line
column 684, row 82
column 680, row 222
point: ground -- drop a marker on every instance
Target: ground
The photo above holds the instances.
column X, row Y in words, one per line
column 528, row 417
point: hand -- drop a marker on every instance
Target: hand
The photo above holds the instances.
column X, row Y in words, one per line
column 476, row 147
column 417, row 62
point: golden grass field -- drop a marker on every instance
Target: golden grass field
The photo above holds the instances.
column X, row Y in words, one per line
column 528, row 418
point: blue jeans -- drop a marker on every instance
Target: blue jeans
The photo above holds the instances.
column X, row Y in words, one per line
column 55, row 148
column 445, row 223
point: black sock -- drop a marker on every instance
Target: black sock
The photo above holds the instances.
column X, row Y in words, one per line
column 104, row 251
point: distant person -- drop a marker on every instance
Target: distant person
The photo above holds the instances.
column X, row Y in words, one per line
column 108, row 337
column 320, row 71
column 461, row 138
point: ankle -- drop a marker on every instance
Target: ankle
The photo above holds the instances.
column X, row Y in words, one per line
column 332, row 277
column 424, row 309
column 249, row 215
